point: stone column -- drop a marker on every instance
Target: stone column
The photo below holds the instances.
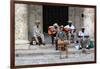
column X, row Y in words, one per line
column 21, row 26
column 89, row 21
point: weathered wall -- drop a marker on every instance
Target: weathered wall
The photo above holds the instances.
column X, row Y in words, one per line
column 89, row 21
column 34, row 13
column 75, row 15
column 25, row 17
column 21, row 21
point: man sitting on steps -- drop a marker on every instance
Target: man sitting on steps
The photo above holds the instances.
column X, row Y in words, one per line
column 37, row 34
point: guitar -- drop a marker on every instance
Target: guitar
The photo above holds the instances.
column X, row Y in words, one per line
column 51, row 31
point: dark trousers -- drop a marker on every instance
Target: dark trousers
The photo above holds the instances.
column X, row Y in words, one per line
column 52, row 38
column 56, row 44
column 39, row 39
column 56, row 41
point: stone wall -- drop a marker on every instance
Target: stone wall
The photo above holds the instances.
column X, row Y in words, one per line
column 34, row 13
column 25, row 17
column 75, row 15
column 21, row 21
column 89, row 21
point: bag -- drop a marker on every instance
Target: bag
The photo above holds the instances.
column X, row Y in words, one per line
column 91, row 45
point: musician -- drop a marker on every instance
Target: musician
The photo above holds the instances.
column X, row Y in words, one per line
column 69, row 29
column 37, row 34
column 70, row 26
column 83, row 39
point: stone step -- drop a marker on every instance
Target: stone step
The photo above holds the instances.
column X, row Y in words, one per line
column 27, row 46
column 50, row 51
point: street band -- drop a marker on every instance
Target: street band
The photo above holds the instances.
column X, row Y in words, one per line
column 62, row 37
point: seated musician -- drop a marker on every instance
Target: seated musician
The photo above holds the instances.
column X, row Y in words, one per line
column 69, row 29
column 37, row 34
column 83, row 39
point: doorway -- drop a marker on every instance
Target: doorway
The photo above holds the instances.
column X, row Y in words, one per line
column 54, row 14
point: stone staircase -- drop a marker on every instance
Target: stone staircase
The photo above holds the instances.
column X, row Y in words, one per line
column 48, row 49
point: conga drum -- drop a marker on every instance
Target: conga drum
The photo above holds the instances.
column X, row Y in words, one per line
column 61, row 45
column 63, row 48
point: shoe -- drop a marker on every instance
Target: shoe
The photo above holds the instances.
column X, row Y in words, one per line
column 87, row 48
column 43, row 43
column 39, row 44
column 84, row 51
column 56, row 48
column 80, row 48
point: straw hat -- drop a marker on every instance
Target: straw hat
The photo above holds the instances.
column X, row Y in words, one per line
column 55, row 24
column 37, row 22
column 69, row 21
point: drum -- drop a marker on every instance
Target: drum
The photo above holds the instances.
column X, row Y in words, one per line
column 61, row 45
column 60, row 42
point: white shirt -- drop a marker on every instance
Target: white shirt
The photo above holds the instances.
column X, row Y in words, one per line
column 36, row 31
column 83, row 33
column 70, row 27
